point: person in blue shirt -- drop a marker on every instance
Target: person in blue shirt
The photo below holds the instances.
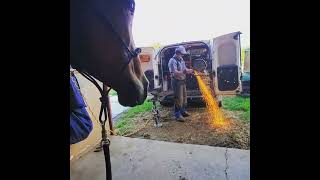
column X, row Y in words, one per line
column 178, row 71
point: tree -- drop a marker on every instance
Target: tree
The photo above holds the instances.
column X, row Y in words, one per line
column 156, row 45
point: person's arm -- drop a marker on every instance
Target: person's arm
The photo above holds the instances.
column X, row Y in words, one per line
column 175, row 69
column 189, row 71
column 179, row 73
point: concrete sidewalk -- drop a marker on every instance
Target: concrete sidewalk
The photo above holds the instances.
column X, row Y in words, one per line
column 141, row 159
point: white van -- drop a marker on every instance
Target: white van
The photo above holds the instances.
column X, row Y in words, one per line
column 147, row 57
column 223, row 65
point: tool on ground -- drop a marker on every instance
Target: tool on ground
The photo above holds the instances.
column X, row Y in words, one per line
column 155, row 110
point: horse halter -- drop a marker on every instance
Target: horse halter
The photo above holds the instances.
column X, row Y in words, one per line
column 130, row 53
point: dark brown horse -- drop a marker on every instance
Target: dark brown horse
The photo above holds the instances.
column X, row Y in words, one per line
column 101, row 44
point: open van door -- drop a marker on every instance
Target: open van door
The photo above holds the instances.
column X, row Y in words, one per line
column 226, row 64
column 246, row 66
column 156, row 70
column 147, row 56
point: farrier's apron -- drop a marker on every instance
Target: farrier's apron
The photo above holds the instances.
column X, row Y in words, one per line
column 178, row 84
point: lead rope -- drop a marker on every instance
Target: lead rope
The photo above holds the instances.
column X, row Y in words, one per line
column 105, row 142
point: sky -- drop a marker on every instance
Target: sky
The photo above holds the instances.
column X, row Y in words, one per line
column 174, row 21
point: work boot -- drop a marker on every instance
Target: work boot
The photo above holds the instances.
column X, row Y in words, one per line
column 185, row 114
column 180, row 119
column 178, row 115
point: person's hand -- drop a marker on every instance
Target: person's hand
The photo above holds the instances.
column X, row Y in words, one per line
column 189, row 71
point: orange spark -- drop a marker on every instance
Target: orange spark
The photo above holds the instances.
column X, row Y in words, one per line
column 215, row 115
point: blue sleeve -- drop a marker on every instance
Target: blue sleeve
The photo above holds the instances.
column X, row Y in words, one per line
column 76, row 100
column 80, row 121
column 172, row 66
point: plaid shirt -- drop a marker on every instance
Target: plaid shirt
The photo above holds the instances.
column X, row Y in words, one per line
column 177, row 65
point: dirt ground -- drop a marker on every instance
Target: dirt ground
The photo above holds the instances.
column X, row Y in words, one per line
column 197, row 129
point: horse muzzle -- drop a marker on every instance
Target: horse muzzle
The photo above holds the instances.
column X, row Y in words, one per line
column 134, row 95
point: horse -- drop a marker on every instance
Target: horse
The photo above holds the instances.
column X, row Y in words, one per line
column 101, row 44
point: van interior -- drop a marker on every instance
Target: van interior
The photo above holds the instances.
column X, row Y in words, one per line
column 196, row 51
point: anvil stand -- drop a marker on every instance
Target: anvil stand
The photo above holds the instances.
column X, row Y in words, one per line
column 155, row 110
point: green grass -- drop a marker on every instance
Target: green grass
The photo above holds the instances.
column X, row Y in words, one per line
column 113, row 93
column 238, row 104
column 125, row 121
column 246, row 116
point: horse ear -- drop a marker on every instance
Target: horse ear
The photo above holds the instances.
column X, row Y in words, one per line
column 137, row 51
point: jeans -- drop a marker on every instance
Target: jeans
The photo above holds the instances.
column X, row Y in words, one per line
column 180, row 96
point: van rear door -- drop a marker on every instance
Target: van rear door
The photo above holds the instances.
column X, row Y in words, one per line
column 246, row 66
column 147, row 56
column 226, row 64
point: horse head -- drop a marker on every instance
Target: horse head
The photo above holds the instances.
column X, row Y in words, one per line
column 101, row 44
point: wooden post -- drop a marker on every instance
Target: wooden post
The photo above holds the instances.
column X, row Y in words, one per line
column 105, row 89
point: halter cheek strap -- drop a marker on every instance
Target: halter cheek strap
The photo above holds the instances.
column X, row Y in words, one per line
column 130, row 53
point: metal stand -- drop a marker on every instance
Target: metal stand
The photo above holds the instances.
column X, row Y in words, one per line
column 155, row 111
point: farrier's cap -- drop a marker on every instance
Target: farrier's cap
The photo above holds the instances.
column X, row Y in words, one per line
column 181, row 49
